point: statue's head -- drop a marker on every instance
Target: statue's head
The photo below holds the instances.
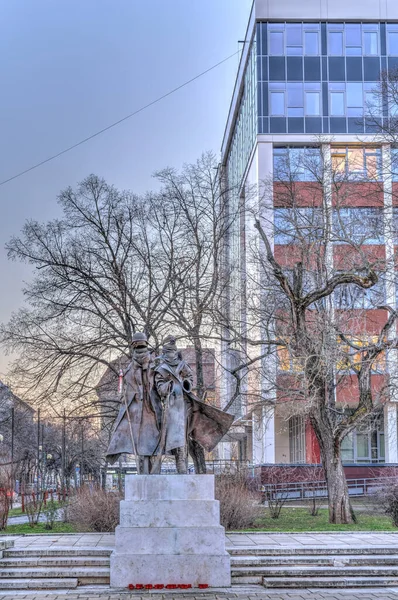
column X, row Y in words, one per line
column 139, row 344
column 169, row 349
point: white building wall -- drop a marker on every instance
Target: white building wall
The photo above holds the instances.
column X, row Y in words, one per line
column 326, row 10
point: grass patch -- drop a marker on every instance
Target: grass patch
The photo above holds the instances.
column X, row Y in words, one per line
column 17, row 512
column 39, row 528
column 299, row 519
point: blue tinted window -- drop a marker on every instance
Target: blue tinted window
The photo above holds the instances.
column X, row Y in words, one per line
column 336, row 43
column 297, row 164
column 277, row 103
column 312, row 103
column 311, row 39
column 354, row 99
column 371, row 46
column 353, row 296
column 353, row 34
column 276, row 42
column 392, row 37
column 358, row 225
column 394, row 164
column 337, row 107
column 297, row 225
column 294, row 39
column 295, row 98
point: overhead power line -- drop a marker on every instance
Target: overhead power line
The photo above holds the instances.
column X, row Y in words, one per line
column 136, row 112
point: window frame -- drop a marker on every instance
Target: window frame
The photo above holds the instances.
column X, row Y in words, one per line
column 306, row 111
column 281, row 32
column 272, row 92
column 312, row 32
column 369, row 238
column 395, row 33
column 334, row 31
column 343, row 93
column 376, row 33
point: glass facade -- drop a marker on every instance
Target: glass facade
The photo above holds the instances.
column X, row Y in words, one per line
column 365, row 444
column 297, row 163
column 245, row 130
column 357, row 163
column 322, row 77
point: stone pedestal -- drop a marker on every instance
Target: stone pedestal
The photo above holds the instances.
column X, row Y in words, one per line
column 170, row 533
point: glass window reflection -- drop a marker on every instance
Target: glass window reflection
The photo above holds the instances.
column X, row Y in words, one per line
column 393, row 43
column 336, row 43
column 277, row 103
column 311, row 39
column 370, row 43
column 276, row 43
column 337, row 107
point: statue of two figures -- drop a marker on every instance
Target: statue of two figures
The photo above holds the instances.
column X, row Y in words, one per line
column 159, row 415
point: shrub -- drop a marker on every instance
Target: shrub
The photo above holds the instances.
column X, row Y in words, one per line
column 51, row 512
column 33, row 507
column 94, row 509
column 387, row 498
column 239, row 500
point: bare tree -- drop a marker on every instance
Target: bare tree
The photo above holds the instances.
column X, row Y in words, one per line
column 312, row 276
column 100, row 276
column 198, row 204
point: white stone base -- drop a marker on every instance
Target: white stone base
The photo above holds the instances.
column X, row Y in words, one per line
column 170, row 533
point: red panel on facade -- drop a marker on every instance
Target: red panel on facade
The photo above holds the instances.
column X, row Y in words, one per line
column 346, row 257
column 297, row 194
column 312, row 451
column 347, row 390
column 395, row 193
column 369, row 193
column 362, row 322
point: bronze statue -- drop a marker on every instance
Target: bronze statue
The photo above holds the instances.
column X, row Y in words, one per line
column 173, row 377
column 163, row 413
column 137, row 426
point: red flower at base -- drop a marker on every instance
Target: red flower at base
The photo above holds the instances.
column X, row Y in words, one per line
column 130, row 586
column 203, row 586
column 158, row 586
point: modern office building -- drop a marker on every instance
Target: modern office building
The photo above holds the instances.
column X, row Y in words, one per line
column 307, row 77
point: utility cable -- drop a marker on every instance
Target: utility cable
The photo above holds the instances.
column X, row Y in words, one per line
column 136, row 112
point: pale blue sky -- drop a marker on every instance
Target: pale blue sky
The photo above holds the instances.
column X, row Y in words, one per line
column 71, row 67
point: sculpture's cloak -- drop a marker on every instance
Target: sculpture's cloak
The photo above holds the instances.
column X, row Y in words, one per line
column 144, row 406
column 187, row 415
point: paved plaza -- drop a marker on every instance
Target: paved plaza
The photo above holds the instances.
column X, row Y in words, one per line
column 233, row 540
column 255, row 593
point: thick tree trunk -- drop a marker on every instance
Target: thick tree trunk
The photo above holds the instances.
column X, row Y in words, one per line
column 340, row 509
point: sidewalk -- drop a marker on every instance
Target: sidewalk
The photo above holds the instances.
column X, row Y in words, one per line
column 233, row 540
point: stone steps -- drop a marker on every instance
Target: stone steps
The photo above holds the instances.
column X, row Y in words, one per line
column 53, row 568
column 255, row 575
column 38, row 584
column 55, row 561
column 84, row 575
column 330, row 582
column 331, row 561
column 312, row 550
column 62, row 551
column 311, row 567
